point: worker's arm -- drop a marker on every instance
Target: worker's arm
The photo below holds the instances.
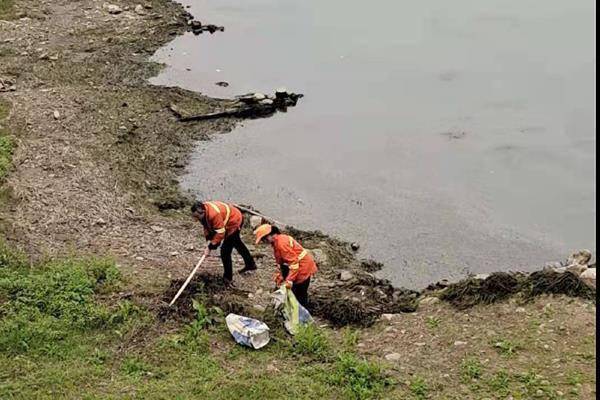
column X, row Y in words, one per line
column 218, row 228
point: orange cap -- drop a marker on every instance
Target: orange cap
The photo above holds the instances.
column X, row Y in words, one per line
column 262, row 231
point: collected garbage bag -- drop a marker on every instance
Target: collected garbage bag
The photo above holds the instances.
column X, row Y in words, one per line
column 247, row 331
column 293, row 312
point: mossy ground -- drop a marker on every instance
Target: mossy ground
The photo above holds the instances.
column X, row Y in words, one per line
column 6, row 143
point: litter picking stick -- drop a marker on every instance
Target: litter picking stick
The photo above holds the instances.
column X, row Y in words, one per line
column 187, row 280
column 259, row 215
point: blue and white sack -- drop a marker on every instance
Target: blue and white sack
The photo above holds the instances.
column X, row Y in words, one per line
column 247, row 331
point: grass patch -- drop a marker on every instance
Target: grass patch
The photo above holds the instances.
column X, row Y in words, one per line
column 45, row 306
column 6, row 144
column 360, row 378
column 499, row 384
column 432, row 322
column 6, row 8
column 471, row 369
column 419, row 388
column 506, row 348
column 134, row 367
column 350, row 337
column 312, row 342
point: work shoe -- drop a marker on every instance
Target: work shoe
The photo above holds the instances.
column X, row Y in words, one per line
column 228, row 283
column 247, row 269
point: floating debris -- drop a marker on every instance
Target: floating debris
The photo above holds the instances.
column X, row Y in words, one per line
column 198, row 28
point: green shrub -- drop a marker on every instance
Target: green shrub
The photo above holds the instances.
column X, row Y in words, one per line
column 195, row 337
column 311, row 341
column 360, row 378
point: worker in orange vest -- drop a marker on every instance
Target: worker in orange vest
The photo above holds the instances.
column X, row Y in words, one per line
column 296, row 265
column 222, row 223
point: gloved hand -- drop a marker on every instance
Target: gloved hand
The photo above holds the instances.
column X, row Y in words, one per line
column 206, row 252
column 288, row 284
column 213, row 246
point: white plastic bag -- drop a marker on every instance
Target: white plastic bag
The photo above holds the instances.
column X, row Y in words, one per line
column 247, row 331
column 294, row 314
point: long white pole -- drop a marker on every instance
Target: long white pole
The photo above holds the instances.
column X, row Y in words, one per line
column 259, row 215
column 187, row 280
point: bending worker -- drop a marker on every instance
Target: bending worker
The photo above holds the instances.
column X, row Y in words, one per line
column 222, row 223
column 296, row 265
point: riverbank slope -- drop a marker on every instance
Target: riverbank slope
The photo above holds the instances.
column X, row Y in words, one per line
column 95, row 154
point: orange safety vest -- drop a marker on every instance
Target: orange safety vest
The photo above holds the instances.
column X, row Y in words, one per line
column 288, row 251
column 222, row 219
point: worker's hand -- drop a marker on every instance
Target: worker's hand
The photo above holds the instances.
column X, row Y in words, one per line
column 288, row 284
column 207, row 252
column 213, row 246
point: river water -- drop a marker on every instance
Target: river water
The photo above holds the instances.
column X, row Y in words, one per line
column 446, row 137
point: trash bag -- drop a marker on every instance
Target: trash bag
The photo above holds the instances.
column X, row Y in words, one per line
column 247, row 331
column 293, row 312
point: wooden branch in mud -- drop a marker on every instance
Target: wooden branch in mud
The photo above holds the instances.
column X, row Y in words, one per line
column 252, row 105
column 242, row 111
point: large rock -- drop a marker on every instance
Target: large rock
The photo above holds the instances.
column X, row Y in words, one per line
column 589, row 277
column 113, row 9
column 581, row 257
column 319, row 256
column 255, row 221
column 346, row 276
column 429, row 300
column 577, row 269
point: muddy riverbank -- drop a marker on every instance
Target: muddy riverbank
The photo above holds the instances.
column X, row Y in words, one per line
column 98, row 148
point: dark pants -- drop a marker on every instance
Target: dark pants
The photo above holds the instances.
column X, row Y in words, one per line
column 300, row 290
column 234, row 241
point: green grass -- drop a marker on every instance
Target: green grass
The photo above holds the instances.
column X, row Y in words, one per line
column 471, row 369
column 419, row 388
column 65, row 334
column 360, row 378
column 6, row 8
column 45, row 307
column 6, row 144
column 499, row 383
column 506, row 348
column 312, row 342
column 433, row 322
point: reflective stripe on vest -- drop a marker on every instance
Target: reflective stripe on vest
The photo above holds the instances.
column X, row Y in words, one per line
column 227, row 214
column 302, row 254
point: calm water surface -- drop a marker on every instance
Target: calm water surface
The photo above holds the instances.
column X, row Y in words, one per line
column 445, row 137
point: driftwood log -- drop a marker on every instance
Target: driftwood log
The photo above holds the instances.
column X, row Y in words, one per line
column 253, row 105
